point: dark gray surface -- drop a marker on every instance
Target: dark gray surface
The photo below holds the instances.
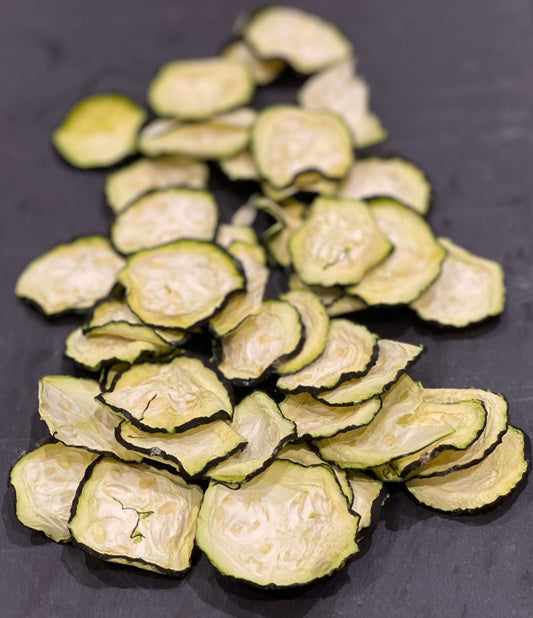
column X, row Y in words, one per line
column 453, row 82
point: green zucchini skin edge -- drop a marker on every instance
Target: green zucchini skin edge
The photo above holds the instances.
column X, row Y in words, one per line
column 384, row 389
column 220, row 415
column 108, row 557
column 174, row 460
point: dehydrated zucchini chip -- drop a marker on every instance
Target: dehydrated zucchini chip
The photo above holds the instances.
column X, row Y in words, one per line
column 469, row 289
column 240, row 166
column 71, row 276
column 394, row 357
column 192, row 451
column 169, row 397
column 130, row 182
column 339, row 90
column 305, row 41
column 228, row 233
column 163, row 216
column 404, row 425
column 288, row 141
column 99, row 130
column 349, row 352
column 244, row 304
column 316, row 326
column 495, row 426
column 413, row 265
column 222, row 136
column 306, row 182
column 476, row 487
column 287, row 526
column 137, row 515
column 327, row 295
column 92, row 351
column 300, row 453
column 394, row 178
column 338, row 243
column 368, row 495
column 45, row 482
column 114, row 318
column 314, row 419
column 468, row 420
column 260, row 342
column 180, row 284
column 259, row 420
column 277, row 236
column 67, row 405
column 200, row 89
column 263, row 71
column 344, row 305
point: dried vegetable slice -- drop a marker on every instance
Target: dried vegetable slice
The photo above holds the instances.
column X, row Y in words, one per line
column 264, row 72
column 368, row 495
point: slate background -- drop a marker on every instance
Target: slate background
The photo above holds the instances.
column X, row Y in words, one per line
column 453, row 82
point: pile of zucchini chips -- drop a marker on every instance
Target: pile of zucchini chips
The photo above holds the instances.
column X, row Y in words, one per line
column 155, row 453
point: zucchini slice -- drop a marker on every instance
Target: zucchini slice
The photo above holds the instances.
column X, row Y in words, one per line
column 394, row 358
column 469, row 289
column 468, row 419
column 200, row 89
column 182, row 284
column 93, row 351
column 137, row 515
column 306, row 182
column 316, row 325
column 244, row 304
column 264, row 72
column 272, row 530
column 338, row 243
column 288, row 141
column 163, row 216
column 314, row 419
column 300, row 453
column 413, row 265
column 251, row 351
column 327, row 296
column 349, row 352
column 192, row 451
column 495, row 426
column 99, row 131
column 477, row 487
column 127, row 184
column 368, row 495
column 344, row 305
column 403, row 426
column 67, row 405
column 169, row 397
column 114, row 318
column 305, row 41
column 339, row 90
column 257, row 419
column 45, row 482
column 277, row 237
column 240, row 166
column 71, row 276
column 220, row 137
column 228, row 233
column 395, row 178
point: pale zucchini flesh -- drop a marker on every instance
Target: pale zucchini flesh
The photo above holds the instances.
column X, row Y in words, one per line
column 469, row 289
column 163, row 216
column 135, row 514
column 169, row 397
column 68, row 407
column 479, row 486
column 368, row 495
column 394, row 357
column 306, row 182
column 277, row 237
column 395, row 178
column 240, row 166
column 349, row 352
column 180, row 284
column 127, row 184
column 338, row 243
column 99, row 131
column 45, row 482
column 71, row 276
column 288, row 141
column 200, row 89
column 263, row 71
column 228, row 233
column 288, row 526
column 251, row 351
column 258, row 419
column 345, row 304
